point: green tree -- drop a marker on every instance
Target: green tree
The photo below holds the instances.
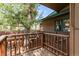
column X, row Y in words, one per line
column 16, row 14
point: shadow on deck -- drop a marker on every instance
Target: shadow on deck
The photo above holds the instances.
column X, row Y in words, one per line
column 38, row 52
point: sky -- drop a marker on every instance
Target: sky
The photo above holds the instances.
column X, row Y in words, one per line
column 44, row 11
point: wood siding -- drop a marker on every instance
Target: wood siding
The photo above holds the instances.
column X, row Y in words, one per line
column 49, row 24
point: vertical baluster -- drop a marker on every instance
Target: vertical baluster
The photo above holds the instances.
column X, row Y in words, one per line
column 54, row 43
column 30, row 41
column 10, row 48
column 65, row 48
column 46, row 37
column 23, row 43
column 58, row 38
column 32, row 38
column 57, row 45
column 15, row 44
column 61, row 44
column 67, row 44
column 64, row 44
column 19, row 43
column 47, row 41
column 6, row 47
column 36, row 41
column 42, row 38
column 39, row 40
column 26, row 41
column 33, row 43
column 51, row 42
column 39, row 37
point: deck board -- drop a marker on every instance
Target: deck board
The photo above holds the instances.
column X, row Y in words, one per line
column 39, row 52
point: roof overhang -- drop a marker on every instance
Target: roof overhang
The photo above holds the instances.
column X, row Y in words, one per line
column 56, row 6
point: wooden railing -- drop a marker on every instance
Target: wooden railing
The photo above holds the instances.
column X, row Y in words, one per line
column 18, row 44
column 58, row 44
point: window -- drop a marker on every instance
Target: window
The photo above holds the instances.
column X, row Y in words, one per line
column 62, row 25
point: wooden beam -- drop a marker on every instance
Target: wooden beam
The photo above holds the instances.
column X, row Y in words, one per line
column 55, row 6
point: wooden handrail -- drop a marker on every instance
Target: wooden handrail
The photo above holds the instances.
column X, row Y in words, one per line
column 61, row 35
column 2, row 38
column 20, row 34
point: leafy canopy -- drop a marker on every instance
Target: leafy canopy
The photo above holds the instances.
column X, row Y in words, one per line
column 14, row 14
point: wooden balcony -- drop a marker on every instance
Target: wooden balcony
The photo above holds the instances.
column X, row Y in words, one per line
column 34, row 44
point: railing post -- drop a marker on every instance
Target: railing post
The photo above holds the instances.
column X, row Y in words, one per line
column 3, row 51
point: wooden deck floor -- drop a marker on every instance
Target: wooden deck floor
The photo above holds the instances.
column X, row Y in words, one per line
column 39, row 52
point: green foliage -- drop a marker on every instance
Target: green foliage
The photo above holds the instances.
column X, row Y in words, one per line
column 15, row 14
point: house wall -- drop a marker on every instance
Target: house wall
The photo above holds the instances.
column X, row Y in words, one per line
column 49, row 25
column 74, row 34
